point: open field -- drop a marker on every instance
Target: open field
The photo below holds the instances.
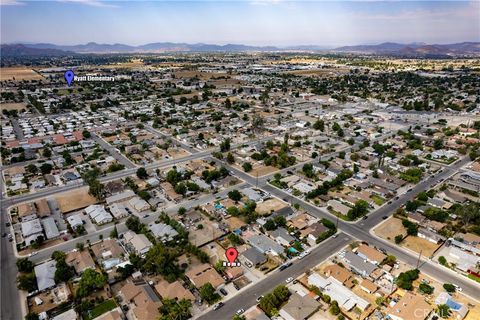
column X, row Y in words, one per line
column 389, row 229
column 74, row 200
column 262, row 170
column 18, row 74
column 418, row 244
column 13, row 106
column 270, row 205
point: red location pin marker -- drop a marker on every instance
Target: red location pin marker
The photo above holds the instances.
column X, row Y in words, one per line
column 231, row 255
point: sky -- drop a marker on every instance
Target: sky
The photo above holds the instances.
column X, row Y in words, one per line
column 253, row 22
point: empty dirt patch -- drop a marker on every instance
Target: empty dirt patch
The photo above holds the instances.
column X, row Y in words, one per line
column 389, row 229
column 74, row 200
column 270, row 205
column 18, row 74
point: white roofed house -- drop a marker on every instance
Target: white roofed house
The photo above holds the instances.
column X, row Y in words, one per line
column 50, row 227
column 74, row 221
column 119, row 210
column 162, row 231
column 45, row 274
column 98, row 214
column 137, row 243
column 31, row 230
column 139, row 204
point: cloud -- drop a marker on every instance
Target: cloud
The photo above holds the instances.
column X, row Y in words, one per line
column 92, row 3
column 11, row 3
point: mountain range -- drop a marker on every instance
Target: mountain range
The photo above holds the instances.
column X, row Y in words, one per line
column 388, row 48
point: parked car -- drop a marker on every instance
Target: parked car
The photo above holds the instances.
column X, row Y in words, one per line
column 240, row 311
column 289, row 279
column 259, row 298
column 223, row 291
column 218, row 306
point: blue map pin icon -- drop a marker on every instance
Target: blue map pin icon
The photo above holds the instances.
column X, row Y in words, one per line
column 69, row 77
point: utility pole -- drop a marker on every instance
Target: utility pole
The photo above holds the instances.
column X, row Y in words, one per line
column 419, row 257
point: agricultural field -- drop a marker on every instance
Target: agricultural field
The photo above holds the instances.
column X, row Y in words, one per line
column 18, row 74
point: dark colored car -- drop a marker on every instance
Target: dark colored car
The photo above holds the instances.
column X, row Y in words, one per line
column 223, row 291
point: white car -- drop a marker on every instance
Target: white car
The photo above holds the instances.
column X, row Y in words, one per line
column 31, row 254
column 239, row 312
column 288, row 280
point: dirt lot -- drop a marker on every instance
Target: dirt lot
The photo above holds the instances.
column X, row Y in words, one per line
column 14, row 106
column 262, row 170
column 18, row 74
column 389, row 229
column 418, row 244
column 270, row 205
column 74, row 200
column 209, row 232
column 177, row 153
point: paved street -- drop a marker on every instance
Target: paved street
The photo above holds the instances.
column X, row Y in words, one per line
column 247, row 297
column 358, row 230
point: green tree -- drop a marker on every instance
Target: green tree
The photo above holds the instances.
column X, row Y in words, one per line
column 235, row 195
column 142, row 173
column 230, row 158
column 24, row 265
column 90, row 281
column 398, row 238
column 133, row 223
column 405, row 279
column 114, row 233
column 443, row 311
column 32, row 316
column 425, row 288
column 207, row 292
column 247, row 167
column 27, row 282
column 172, row 309
column 319, row 125
column 449, row 287
column 442, row 260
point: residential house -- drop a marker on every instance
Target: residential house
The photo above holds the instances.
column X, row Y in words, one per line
column 45, row 274
column 281, row 236
column 98, row 214
column 202, row 274
column 137, row 243
column 254, row 256
column 410, row 307
column 162, row 231
column 174, row 290
column 371, row 254
column 358, row 264
column 265, row 244
column 341, row 274
column 346, row 298
column 80, row 260
column 31, row 230
column 142, row 300
column 299, row 307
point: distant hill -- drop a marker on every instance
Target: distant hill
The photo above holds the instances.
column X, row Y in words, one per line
column 93, row 47
column 387, row 48
column 18, row 50
column 415, row 49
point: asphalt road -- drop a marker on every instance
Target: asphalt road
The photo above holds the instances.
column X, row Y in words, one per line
column 359, row 230
column 247, row 297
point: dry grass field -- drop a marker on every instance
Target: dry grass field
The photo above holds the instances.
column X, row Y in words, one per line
column 389, row 229
column 270, row 205
column 18, row 74
column 13, row 106
column 74, row 200
column 418, row 244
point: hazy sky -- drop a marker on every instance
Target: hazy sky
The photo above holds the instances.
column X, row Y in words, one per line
column 256, row 22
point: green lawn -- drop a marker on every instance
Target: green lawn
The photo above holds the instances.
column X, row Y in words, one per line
column 378, row 200
column 471, row 276
column 100, row 309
